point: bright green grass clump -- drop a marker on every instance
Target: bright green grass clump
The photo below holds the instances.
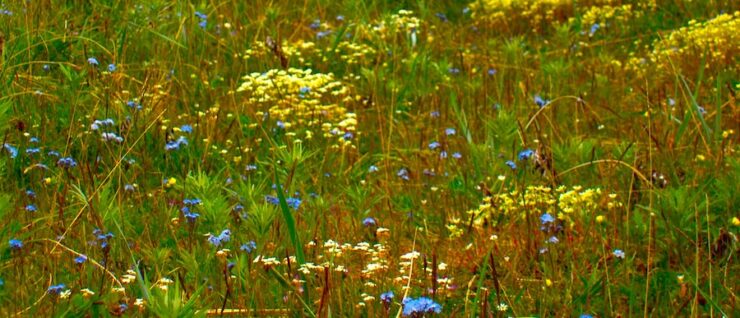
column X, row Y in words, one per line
column 369, row 158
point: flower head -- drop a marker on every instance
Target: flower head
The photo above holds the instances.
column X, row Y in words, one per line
column 618, row 253
column 420, row 306
column 92, row 61
column 387, row 297
column 80, row 259
column 525, row 154
column 67, row 163
column 248, row 246
column 15, row 244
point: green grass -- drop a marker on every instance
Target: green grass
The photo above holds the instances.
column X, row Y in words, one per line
column 242, row 184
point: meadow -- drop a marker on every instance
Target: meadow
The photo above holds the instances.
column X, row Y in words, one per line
column 376, row 158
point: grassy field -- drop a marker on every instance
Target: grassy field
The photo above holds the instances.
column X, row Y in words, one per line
column 378, row 158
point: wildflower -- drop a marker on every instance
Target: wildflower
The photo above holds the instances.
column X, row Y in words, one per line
column 248, row 247
column 111, row 137
column 441, row 16
column 546, row 218
column 86, row 292
column 466, row 10
column 491, row 71
column 420, row 306
column 97, row 124
column 599, row 219
column 585, row 316
column 502, row 307
column 457, row 155
column 32, row 151
column 225, row 236
column 735, row 221
column 111, row 67
column 322, row 34
column 434, row 114
column 453, row 70
column 31, row 208
column 450, row 131
column 443, row 154
column 434, row 145
column 540, row 102
column 340, row 18
column 176, row 144
column 511, row 164
column 373, row 168
column 80, row 259
column 553, row 240
column 369, row 222
column 671, row 102
column 594, row 28
column 129, row 187
column 525, row 154
column 67, row 163
column 403, row 173
column 56, row 289
column 315, row 25
column 387, row 297
column 13, row 151
column 194, row 201
column 294, row 203
column 618, row 253
column 190, row 216
column 30, row 193
column 92, row 61
column 134, row 105
column 15, row 244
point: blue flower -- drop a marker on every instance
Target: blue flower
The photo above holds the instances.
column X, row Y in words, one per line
column 32, row 151
column 186, row 128
column 340, row 18
column 129, row 187
column 403, row 173
column 134, row 105
column 387, row 297
column 369, row 221
column 540, row 101
column 251, row 167
column 553, row 240
column 442, row 17
column 585, row 316
column 111, row 67
column 433, row 145
column 511, row 164
column 465, row 10
column 13, row 151
column 546, row 218
column 618, row 253
column 322, row 34
column 216, row 241
column 67, row 163
column 491, row 71
column 525, row 154
column 248, row 246
column 194, row 201
column 443, row 154
column 453, row 70
column 56, row 289
column 304, row 90
column 111, row 136
column 15, row 244
column 348, row 136
column 456, row 155
column 80, row 259
column 31, row 208
column 594, row 28
column 434, row 114
column 420, row 306
column 315, row 24
column 450, row 131
column 203, row 23
column 201, row 15
column 373, row 168
column 46, row 67
column 176, row 144
column 92, row 61
column 30, row 193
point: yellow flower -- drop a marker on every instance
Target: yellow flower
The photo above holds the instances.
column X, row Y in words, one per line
column 600, row 219
column 735, row 221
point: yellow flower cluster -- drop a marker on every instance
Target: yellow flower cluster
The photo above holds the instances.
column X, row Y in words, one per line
column 505, row 13
column 302, row 102
column 537, row 200
column 717, row 41
column 603, row 14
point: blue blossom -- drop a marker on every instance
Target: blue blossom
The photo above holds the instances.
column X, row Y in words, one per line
column 53, row 153
column 594, row 27
column 434, row 145
column 13, row 151
column 189, row 216
column 450, row 131
column 511, row 164
column 369, row 222
column 33, row 140
column 176, row 144
column 193, row 201
column 32, row 151
column 340, row 18
column 453, row 70
column 67, row 163
column 31, row 208
column 618, row 253
column 525, row 154
column 111, row 67
column 348, row 136
column 434, row 114
column 237, row 208
column 420, row 306
column 294, row 203
column 671, row 102
column 216, row 241
column 248, row 246
column 443, row 154
column 200, row 15
column 442, row 17
column 15, row 244
column 466, row 10
column 315, row 25
column 373, row 168
column 304, row 90
column 553, row 240
column 186, row 128
column 92, row 61
column 456, row 155
column 585, row 316
column 403, row 173
column 491, row 71
column 387, row 297
column 540, row 101
column 134, row 105
column 80, row 259
column 97, row 124
column 322, row 34
column 56, row 289
column 546, row 218
column 111, row 136
column 30, row 193
column 129, row 187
